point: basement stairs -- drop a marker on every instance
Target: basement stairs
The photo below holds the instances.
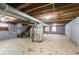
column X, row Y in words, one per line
column 25, row 32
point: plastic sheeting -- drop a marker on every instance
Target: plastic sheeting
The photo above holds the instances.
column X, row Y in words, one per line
column 72, row 30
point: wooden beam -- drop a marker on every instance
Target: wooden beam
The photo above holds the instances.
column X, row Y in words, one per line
column 23, row 6
column 37, row 8
column 52, row 9
column 65, row 13
column 70, row 14
column 58, row 22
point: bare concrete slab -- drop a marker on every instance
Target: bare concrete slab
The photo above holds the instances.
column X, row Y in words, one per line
column 52, row 44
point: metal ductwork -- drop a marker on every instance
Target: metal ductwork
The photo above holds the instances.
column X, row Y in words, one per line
column 38, row 30
column 6, row 9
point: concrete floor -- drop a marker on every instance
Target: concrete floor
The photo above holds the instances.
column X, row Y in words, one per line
column 52, row 44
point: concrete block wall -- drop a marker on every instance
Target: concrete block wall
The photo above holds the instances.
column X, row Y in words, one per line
column 60, row 29
column 8, row 34
column 72, row 30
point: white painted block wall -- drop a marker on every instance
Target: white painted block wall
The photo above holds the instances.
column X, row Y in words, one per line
column 72, row 30
column 8, row 34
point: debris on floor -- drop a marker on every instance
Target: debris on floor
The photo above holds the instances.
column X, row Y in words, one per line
column 52, row 44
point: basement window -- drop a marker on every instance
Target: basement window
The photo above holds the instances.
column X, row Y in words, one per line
column 47, row 29
column 54, row 29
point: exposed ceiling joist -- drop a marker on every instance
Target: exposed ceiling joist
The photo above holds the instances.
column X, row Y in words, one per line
column 71, row 13
column 52, row 9
column 63, row 12
column 66, row 6
column 58, row 22
column 65, row 16
column 37, row 8
column 23, row 6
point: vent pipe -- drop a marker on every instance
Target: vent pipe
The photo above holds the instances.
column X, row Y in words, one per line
column 6, row 9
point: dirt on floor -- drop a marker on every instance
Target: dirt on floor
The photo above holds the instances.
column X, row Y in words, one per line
column 52, row 44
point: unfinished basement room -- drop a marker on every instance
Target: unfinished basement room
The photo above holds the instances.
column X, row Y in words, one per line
column 39, row 28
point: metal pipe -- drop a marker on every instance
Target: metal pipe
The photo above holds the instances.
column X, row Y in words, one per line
column 19, row 14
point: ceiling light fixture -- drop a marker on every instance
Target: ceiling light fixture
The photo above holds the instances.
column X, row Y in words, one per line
column 48, row 16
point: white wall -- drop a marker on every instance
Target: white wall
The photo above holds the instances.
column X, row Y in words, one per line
column 72, row 30
column 60, row 29
column 8, row 34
